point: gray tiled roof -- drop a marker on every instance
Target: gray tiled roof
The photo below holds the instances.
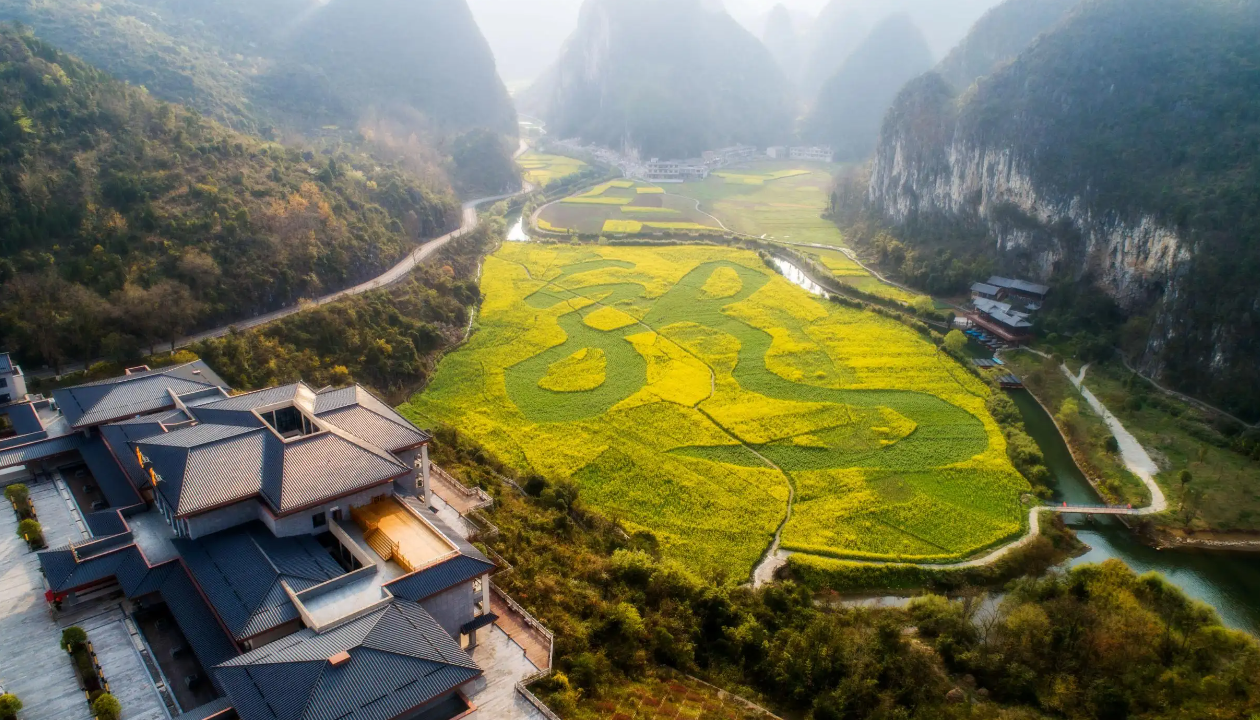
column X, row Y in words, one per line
column 240, row 571
column 232, row 455
column 430, row 581
column 136, row 394
column 400, row 658
column 39, row 450
column 1020, row 285
column 205, row 466
column 24, row 418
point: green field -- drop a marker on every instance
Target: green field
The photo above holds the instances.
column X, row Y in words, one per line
column 785, row 202
column 623, row 207
column 542, row 169
column 685, row 389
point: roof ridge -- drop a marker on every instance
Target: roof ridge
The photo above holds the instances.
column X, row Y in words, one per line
column 436, row 650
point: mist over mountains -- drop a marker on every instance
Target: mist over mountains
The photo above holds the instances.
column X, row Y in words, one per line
column 670, row 78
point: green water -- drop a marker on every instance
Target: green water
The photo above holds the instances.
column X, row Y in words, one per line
column 1229, row 582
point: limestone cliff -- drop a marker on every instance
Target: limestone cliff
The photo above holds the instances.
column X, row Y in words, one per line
column 1122, row 147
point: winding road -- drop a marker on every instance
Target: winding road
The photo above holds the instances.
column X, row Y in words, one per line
column 391, row 276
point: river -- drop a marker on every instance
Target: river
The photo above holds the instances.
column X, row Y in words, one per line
column 517, row 232
column 1228, row 581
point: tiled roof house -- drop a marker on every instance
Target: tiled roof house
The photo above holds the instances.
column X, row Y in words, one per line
column 288, row 532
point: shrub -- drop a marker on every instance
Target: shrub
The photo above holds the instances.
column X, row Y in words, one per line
column 17, row 494
column 32, row 532
column 9, row 706
column 72, row 637
column 106, row 707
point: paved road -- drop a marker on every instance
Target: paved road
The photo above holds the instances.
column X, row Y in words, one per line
column 32, row 665
column 389, row 277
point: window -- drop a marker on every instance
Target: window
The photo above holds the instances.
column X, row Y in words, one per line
column 319, row 519
column 4, row 382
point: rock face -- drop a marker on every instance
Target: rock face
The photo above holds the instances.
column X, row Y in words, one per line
column 669, row 78
column 1120, row 147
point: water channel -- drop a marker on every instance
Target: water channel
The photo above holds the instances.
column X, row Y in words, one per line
column 1229, row 582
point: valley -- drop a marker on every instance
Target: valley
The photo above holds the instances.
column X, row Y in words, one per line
column 799, row 359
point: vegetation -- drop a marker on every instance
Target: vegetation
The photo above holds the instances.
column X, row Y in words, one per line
column 543, row 170
column 291, row 65
column 1154, row 105
column 718, row 396
column 106, row 707
column 1001, row 35
column 673, row 79
column 1096, row 642
column 786, row 202
column 852, row 103
column 20, row 497
column 623, row 207
column 73, row 637
column 1086, row 433
column 1208, row 463
column 10, row 705
column 126, row 222
column 32, row 532
column 388, row 340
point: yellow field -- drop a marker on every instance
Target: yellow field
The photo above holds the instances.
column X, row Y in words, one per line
column 542, row 169
column 686, row 389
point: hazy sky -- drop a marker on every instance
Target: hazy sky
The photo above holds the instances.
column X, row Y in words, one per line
column 526, row 35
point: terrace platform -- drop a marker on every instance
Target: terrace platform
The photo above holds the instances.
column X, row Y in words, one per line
column 153, row 536
column 397, row 533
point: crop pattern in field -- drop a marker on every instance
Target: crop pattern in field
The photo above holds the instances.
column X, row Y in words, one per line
column 686, row 389
column 623, row 207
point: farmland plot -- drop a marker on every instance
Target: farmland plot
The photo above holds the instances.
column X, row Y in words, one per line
column 686, row 389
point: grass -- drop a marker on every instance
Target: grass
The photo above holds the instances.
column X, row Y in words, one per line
column 786, row 202
column 723, row 385
column 1225, row 487
column 542, row 169
column 1085, row 431
column 654, row 698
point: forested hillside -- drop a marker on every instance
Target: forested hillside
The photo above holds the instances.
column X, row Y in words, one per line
column 999, row 37
column 285, row 68
column 669, row 77
column 1123, row 149
column 125, row 220
column 852, row 103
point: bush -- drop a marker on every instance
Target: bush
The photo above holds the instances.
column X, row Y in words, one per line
column 106, row 707
column 72, row 637
column 17, row 494
column 9, row 706
column 32, row 532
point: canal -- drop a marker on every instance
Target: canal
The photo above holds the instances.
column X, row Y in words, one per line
column 1229, row 582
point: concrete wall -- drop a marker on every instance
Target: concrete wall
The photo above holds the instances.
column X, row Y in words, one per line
column 453, row 608
column 302, row 523
column 222, row 519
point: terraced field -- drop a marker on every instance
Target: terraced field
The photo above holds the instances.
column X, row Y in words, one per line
column 686, row 389
column 623, row 207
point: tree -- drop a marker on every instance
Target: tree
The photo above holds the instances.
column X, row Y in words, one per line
column 73, row 637
column 179, row 310
column 955, row 341
column 923, row 305
column 31, row 531
column 17, row 494
column 33, row 308
column 106, row 707
column 9, row 706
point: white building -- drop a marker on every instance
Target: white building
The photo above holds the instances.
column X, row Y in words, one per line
column 814, row 154
column 676, row 170
column 778, row 152
column 12, row 381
